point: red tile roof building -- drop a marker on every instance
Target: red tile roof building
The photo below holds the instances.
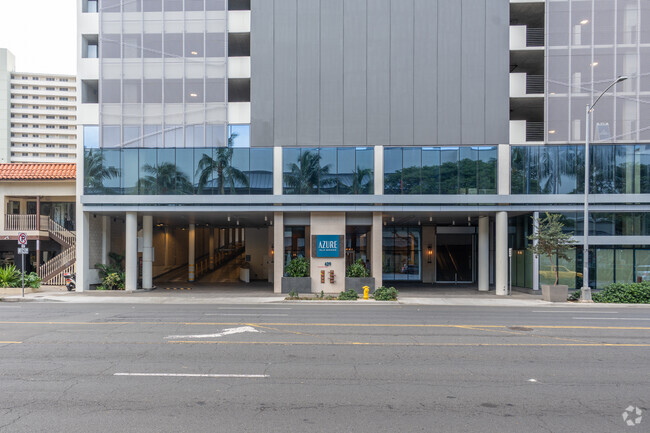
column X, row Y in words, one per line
column 48, row 171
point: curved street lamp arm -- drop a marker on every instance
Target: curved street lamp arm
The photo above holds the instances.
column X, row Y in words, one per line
column 615, row 82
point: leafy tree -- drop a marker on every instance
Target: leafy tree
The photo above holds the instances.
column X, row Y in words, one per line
column 164, row 178
column 551, row 240
column 305, row 176
column 221, row 168
column 95, row 172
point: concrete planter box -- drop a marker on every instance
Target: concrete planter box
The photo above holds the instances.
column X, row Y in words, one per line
column 296, row 284
column 358, row 283
column 557, row 293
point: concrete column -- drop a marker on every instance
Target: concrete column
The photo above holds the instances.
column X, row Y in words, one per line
column 535, row 256
column 167, row 246
column 277, row 170
column 230, row 237
column 83, row 250
column 278, row 251
column 131, row 259
column 237, row 235
column 191, row 253
column 376, row 236
column 484, row 254
column 379, row 168
column 501, row 253
column 211, row 249
column 503, row 176
column 106, row 238
column 147, row 252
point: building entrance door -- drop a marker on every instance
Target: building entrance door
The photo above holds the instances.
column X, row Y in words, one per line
column 455, row 258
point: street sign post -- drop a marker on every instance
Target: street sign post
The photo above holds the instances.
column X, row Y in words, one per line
column 22, row 239
column 22, row 250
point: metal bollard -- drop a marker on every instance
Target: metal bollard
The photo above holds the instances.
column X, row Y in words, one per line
column 366, row 292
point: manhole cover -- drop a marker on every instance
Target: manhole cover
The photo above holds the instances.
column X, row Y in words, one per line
column 519, row 328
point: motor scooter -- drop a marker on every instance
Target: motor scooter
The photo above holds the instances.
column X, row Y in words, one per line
column 70, row 282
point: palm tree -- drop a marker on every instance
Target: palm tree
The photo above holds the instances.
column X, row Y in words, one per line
column 361, row 180
column 95, row 172
column 221, row 166
column 164, row 178
column 305, row 176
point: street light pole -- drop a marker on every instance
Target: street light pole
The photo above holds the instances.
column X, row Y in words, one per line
column 585, row 292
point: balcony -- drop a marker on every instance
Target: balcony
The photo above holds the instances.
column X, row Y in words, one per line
column 523, row 85
column 526, row 38
column 15, row 224
column 523, row 131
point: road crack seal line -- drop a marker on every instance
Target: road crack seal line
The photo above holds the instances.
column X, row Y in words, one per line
column 526, row 334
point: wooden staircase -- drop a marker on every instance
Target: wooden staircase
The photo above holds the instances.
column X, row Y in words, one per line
column 52, row 271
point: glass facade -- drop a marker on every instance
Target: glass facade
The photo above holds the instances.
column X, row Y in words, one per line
column 440, row 170
column 615, row 169
column 172, row 171
column 590, row 44
column 402, row 254
column 328, row 170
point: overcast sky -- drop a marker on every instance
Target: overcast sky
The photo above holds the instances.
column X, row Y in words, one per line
column 41, row 34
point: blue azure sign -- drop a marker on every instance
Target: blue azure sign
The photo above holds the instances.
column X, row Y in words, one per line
column 328, row 246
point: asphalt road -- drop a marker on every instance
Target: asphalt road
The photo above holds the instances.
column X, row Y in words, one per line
column 330, row 368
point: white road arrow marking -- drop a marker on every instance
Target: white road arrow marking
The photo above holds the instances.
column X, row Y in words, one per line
column 223, row 333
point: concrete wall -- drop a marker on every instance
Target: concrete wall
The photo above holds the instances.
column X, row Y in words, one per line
column 7, row 66
column 379, row 72
column 428, row 269
column 258, row 247
column 330, row 223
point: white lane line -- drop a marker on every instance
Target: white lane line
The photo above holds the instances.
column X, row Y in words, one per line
column 575, row 311
column 223, row 333
column 245, row 314
column 611, row 318
column 253, row 376
column 248, row 308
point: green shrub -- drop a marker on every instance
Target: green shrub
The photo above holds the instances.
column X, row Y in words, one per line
column 348, row 295
column 357, row 270
column 9, row 276
column 386, row 294
column 32, row 280
column 575, row 296
column 632, row 293
column 293, row 294
column 113, row 281
column 298, row 267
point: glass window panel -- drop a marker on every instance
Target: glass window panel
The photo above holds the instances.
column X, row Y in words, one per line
column 132, row 47
column 237, row 174
column 166, row 158
column 392, row 170
column 261, row 171
column 487, row 170
column 624, row 175
column 194, row 90
column 215, row 135
column 363, row 181
column 328, row 172
column 194, row 44
column 173, row 45
column 152, row 5
column 111, row 171
column 624, row 265
column 215, row 90
column 111, row 136
column 152, row 91
column 239, row 136
column 291, row 170
column 431, row 170
column 130, row 171
column 548, row 169
column 604, row 267
column 173, row 136
column 184, row 171
column 642, row 265
column 173, row 90
column 215, row 45
column 132, row 6
column 152, row 45
column 109, row 46
column 194, row 136
column 411, row 170
column 93, row 166
column 567, row 270
column 345, row 167
column 449, row 170
column 110, row 5
column 173, row 5
column 110, row 91
column 203, row 177
column 214, row 5
column 603, row 170
column 132, row 91
column 152, row 176
column 194, row 5
column 91, row 136
column 132, row 136
column 467, row 170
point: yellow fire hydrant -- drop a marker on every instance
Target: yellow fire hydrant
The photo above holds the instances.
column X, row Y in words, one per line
column 366, row 292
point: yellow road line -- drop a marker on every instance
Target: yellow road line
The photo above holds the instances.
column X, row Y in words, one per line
column 336, row 325
column 358, row 343
column 11, row 342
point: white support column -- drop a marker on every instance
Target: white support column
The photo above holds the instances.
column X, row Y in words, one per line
column 278, row 251
column 83, row 250
column 503, row 176
column 191, row 254
column 211, row 249
column 484, row 254
column 168, row 249
column 376, row 237
column 379, row 168
column 277, row 170
column 147, row 252
column 535, row 256
column 106, row 238
column 131, row 256
column 501, row 253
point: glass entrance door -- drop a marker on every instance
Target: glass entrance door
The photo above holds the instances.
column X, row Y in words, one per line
column 455, row 258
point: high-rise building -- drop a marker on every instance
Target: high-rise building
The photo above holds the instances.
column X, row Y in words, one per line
column 38, row 119
column 417, row 136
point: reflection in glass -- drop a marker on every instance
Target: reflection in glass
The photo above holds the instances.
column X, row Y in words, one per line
column 97, row 173
column 218, row 173
column 303, row 176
